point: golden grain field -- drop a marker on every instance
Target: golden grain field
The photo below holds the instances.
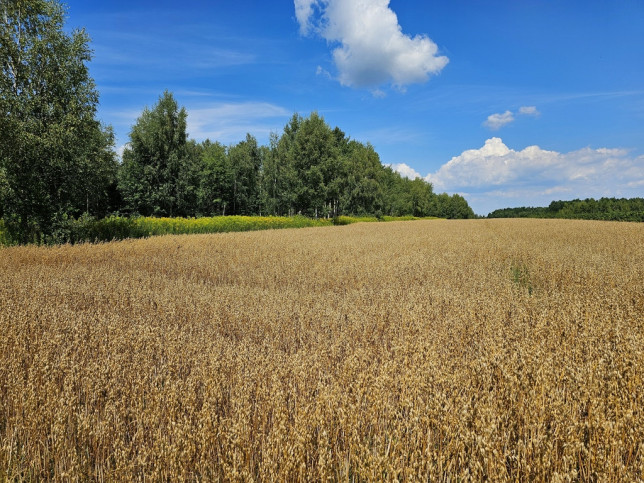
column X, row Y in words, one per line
column 501, row 350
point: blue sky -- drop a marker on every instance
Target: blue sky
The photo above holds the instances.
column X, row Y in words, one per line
column 509, row 103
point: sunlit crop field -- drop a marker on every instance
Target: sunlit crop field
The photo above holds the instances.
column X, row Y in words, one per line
column 424, row 350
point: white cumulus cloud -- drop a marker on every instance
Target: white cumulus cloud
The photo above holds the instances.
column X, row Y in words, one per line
column 496, row 176
column 497, row 121
column 405, row 170
column 303, row 11
column 371, row 48
column 495, row 164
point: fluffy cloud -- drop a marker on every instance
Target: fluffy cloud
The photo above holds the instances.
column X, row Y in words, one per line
column 303, row 12
column 495, row 164
column 495, row 176
column 405, row 170
column 372, row 48
column 497, row 121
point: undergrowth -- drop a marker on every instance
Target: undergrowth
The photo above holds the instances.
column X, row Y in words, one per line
column 90, row 229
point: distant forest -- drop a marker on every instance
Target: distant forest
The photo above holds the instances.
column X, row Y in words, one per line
column 615, row 209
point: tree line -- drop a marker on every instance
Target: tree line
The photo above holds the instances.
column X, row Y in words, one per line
column 310, row 169
column 614, row 209
column 57, row 161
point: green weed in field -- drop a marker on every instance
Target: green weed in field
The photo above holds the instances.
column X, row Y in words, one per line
column 521, row 276
column 3, row 235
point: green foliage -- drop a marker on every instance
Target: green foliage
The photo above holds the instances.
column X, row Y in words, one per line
column 521, row 276
column 407, row 218
column 4, row 239
column 611, row 209
column 363, row 183
column 348, row 220
column 59, row 173
column 308, row 155
column 279, row 176
column 222, row 224
column 89, row 229
column 213, row 195
column 317, row 171
column 310, row 169
column 56, row 159
column 160, row 172
column 244, row 162
column 59, row 177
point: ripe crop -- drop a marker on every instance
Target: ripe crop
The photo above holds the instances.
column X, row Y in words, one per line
column 428, row 350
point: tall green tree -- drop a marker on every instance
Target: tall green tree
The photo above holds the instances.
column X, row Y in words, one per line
column 281, row 174
column 364, row 194
column 160, row 171
column 245, row 163
column 312, row 154
column 56, row 160
column 215, row 181
column 452, row 207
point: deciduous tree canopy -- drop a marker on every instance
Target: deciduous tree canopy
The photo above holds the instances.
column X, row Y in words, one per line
column 56, row 160
column 159, row 175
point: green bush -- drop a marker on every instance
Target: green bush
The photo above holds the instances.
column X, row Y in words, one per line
column 400, row 218
column 347, row 220
column 89, row 229
column 220, row 224
column 4, row 238
column 344, row 220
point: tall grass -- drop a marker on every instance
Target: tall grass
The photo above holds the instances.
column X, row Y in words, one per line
column 89, row 229
column 222, row 224
column 498, row 350
column 4, row 239
column 348, row 220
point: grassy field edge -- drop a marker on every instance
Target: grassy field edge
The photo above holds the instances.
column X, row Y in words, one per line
column 91, row 230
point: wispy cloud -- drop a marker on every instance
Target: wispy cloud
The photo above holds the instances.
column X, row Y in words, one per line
column 495, row 176
column 322, row 71
column 226, row 122
column 391, row 135
column 475, row 98
column 528, row 111
column 229, row 122
column 596, row 95
column 372, row 48
column 156, row 51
